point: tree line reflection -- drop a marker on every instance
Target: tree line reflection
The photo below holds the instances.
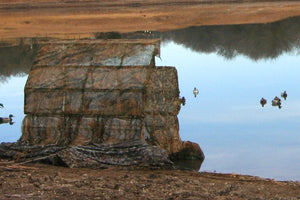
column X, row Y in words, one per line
column 16, row 60
column 256, row 41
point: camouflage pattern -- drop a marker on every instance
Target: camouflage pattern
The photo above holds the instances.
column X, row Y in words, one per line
column 102, row 92
column 161, row 109
column 48, row 102
column 97, row 53
column 42, row 129
column 163, row 131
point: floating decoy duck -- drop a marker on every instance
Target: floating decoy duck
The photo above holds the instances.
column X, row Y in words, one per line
column 1, row 105
column 263, row 102
column 195, row 91
column 276, row 102
column 182, row 101
column 8, row 119
column 284, row 95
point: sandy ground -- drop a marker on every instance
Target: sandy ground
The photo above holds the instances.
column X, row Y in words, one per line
column 37, row 181
column 75, row 19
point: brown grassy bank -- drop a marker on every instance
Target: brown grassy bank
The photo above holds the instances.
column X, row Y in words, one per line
column 74, row 19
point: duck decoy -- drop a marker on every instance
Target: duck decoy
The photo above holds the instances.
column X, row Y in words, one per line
column 263, row 102
column 284, row 95
column 1, row 105
column 195, row 92
column 8, row 119
column 182, row 101
column 276, row 102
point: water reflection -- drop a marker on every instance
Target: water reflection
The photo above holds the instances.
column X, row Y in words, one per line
column 256, row 41
column 12, row 97
column 17, row 58
column 226, row 119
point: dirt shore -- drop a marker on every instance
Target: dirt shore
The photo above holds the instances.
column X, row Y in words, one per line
column 75, row 19
column 37, row 181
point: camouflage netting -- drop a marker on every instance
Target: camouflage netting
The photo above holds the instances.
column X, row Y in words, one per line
column 101, row 93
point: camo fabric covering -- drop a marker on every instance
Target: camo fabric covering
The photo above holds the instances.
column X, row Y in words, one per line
column 83, row 93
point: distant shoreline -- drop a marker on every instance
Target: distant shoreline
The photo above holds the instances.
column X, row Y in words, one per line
column 77, row 19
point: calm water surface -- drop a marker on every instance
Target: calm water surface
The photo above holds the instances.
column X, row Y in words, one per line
column 233, row 67
column 226, row 119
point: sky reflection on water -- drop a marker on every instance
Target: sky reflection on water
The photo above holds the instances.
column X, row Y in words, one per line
column 12, row 97
column 226, row 119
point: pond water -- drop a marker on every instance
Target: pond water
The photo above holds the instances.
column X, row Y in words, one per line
column 233, row 67
column 226, row 119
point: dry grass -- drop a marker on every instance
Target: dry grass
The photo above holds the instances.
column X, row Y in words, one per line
column 82, row 19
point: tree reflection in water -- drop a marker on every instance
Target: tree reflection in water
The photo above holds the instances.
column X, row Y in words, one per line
column 256, row 41
column 16, row 59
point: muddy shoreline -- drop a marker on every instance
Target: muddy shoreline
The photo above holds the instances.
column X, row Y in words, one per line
column 39, row 181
